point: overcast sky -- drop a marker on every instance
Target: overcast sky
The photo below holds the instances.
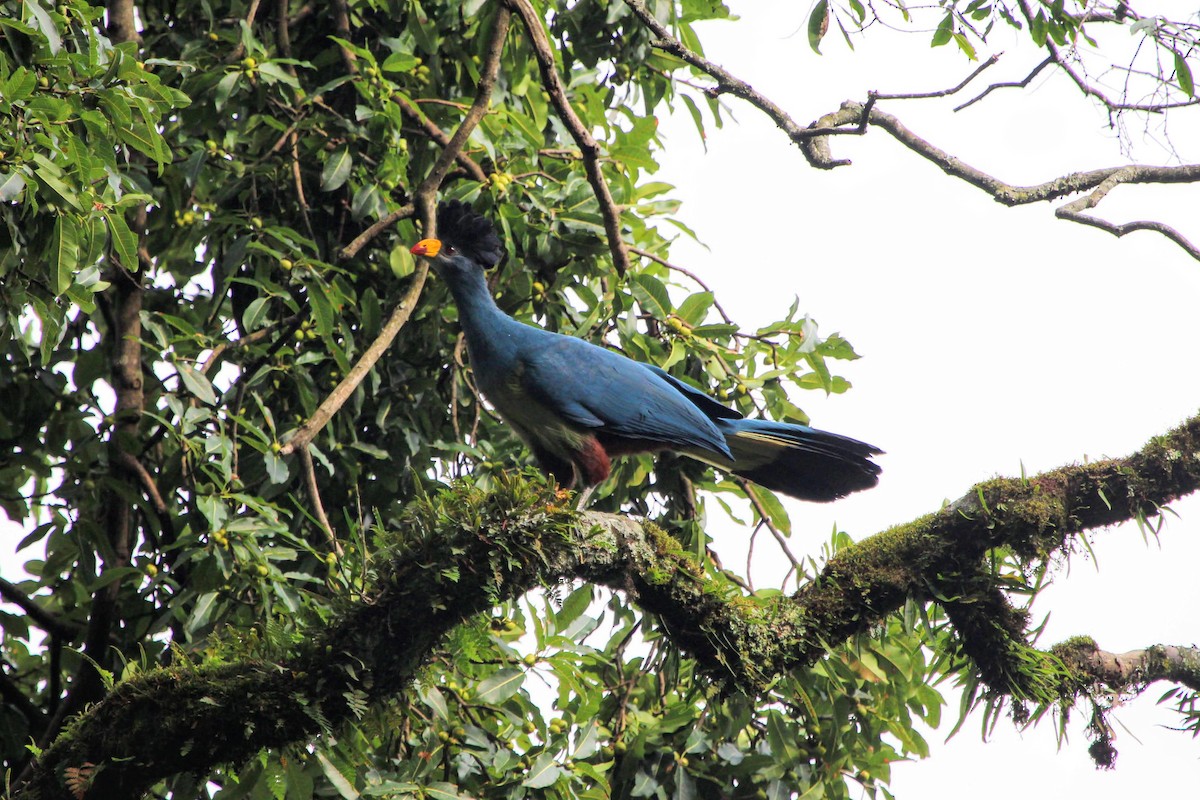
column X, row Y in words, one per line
column 991, row 338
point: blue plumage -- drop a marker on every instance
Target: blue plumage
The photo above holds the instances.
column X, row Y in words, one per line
column 576, row 405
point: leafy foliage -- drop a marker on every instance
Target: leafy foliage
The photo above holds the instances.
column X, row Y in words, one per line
column 175, row 212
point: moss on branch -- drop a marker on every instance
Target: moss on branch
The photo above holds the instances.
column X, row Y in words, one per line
column 462, row 551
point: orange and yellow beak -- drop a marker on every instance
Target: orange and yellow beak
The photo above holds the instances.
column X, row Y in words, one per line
column 427, row 247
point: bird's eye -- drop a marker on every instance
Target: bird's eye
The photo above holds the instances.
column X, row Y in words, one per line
column 450, row 250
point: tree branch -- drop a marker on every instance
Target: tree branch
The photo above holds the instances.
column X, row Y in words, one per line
column 44, row 619
column 588, row 147
column 520, row 537
column 314, row 496
column 436, row 134
column 853, row 118
column 1131, row 671
column 1099, row 181
column 424, row 202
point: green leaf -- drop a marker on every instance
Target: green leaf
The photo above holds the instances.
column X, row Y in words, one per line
column 41, row 20
column 145, row 140
column 343, row 786
column 124, row 241
column 1183, row 74
column 544, row 772
column 49, row 175
column 111, row 575
column 322, row 307
column 651, row 295
column 197, row 384
column 399, row 62
column 62, row 252
column 695, row 308
column 944, row 31
column 11, row 184
column 432, row 697
column 644, row 784
column 277, row 468
column 575, row 604
column 775, row 511
column 336, row 169
column 499, row 687
column 440, row 790
column 818, row 24
column 225, row 89
column 401, row 262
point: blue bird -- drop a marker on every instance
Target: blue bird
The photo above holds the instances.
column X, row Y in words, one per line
column 577, row 405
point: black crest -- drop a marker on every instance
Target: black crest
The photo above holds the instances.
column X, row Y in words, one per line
column 470, row 233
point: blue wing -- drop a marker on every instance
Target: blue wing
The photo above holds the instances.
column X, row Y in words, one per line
column 620, row 398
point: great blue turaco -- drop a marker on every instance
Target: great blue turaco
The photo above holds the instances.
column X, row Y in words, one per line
column 577, row 405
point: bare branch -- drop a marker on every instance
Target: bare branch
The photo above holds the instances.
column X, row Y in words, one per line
column 1099, row 181
column 314, row 496
column 1074, row 211
column 588, row 147
column 1021, row 84
column 373, row 230
column 853, row 118
column 942, row 92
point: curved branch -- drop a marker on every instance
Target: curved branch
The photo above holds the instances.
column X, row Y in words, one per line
column 588, row 147
column 1074, row 212
column 1098, row 181
column 505, row 543
column 853, row 118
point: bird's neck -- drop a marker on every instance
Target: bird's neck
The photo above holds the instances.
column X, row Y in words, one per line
column 487, row 328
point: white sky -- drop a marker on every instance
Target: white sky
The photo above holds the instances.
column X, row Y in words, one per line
column 990, row 337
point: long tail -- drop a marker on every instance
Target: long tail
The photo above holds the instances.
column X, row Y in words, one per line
column 800, row 461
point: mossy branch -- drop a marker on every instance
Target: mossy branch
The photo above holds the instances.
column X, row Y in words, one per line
column 463, row 551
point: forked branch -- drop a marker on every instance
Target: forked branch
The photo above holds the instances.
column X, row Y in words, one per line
column 424, row 203
column 855, row 118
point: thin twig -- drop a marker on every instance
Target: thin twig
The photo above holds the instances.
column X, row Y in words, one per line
column 438, row 135
column 245, row 341
column 240, row 50
column 1021, row 84
column 297, row 180
column 588, row 147
column 314, row 496
column 942, row 92
column 765, row 516
column 683, row 271
column 131, row 463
